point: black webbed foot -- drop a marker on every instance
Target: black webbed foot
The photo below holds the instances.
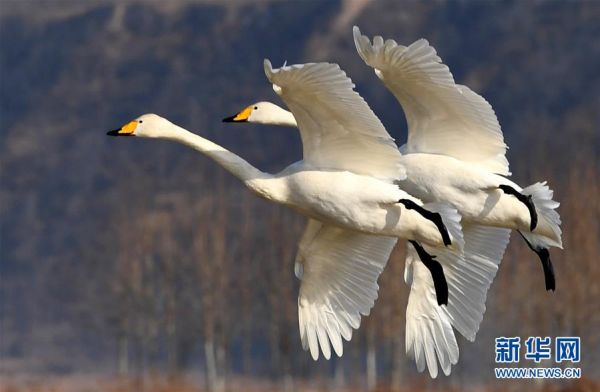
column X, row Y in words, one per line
column 437, row 273
column 544, row 256
column 525, row 199
column 435, row 217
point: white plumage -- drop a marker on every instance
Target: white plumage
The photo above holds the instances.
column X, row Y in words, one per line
column 452, row 128
column 339, row 284
column 429, row 334
column 347, row 187
column 338, row 129
column 443, row 117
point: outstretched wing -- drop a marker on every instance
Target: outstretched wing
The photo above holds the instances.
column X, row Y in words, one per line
column 339, row 271
column 429, row 335
column 443, row 117
column 338, row 128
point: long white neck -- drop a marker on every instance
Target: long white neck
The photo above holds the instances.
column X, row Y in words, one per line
column 279, row 116
column 286, row 119
column 265, row 184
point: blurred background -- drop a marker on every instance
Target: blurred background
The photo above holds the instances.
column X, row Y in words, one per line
column 130, row 264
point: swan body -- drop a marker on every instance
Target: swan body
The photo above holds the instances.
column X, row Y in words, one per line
column 345, row 186
column 331, row 196
column 473, row 191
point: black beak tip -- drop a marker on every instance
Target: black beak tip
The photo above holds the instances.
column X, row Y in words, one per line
column 113, row 133
column 229, row 119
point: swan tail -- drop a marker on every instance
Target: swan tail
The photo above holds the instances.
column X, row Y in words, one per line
column 451, row 219
column 548, row 217
column 549, row 224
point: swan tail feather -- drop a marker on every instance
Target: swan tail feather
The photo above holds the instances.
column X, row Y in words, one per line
column 541, row 196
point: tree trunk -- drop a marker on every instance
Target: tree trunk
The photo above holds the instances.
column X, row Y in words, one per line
column 211, row 366
column 371, row 361
column 172, row 346
column 398, row 357
column 123, row 355
column 339, row 376
column 221, row 367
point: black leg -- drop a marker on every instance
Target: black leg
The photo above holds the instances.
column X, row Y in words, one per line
column 435, row 217
column 544, row 256
column 437, row 273
column 525, row 199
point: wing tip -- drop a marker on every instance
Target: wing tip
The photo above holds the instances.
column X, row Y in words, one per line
column 362, row 43
column 356, row 33
column 268, row 67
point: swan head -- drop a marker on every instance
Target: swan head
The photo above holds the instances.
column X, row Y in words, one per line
column 147, row 125
column 263, row 113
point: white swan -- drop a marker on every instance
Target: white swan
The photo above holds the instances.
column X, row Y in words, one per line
column 455, row 150
column 344, row 185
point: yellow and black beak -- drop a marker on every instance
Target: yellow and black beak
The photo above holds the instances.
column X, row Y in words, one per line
column 126, row 130
column 241, row 116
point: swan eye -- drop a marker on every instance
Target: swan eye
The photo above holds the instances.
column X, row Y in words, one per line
column 256, row 108
column 141, row 121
